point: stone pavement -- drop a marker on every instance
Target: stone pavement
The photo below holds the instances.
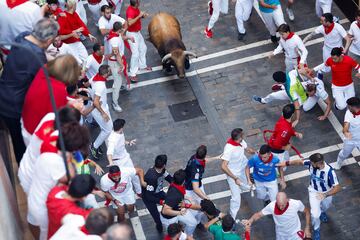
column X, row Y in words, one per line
column 225, row 97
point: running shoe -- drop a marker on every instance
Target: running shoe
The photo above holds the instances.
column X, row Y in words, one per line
column 290, row 14
column 316, row 234
column 274, row 39
column 94, row 152
column 323, row 217
column 241, row 36
column 116, row 107
column 208, row 33
column 337, row 166
column 257, row 99
column 210, row 8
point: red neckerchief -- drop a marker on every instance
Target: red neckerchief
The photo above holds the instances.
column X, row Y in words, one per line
column 45, row 130
column 112, row 34
column 269, row 160
column 49, row 144
column 277, row 210
column 167, row 237
column 202, row 162
column 99, row 78
column 116, row 183
column 98, row 58
column 180, row 188
column 84, row 230
column 291, row 34
column 356, row 114
column 232, row 142
column 329, row 29
column 15, row 3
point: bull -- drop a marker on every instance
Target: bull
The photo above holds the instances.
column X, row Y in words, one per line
column 165, row 35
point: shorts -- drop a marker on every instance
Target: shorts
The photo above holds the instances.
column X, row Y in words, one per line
column 128, row 199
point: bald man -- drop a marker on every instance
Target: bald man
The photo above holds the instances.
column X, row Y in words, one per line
column 285, row 215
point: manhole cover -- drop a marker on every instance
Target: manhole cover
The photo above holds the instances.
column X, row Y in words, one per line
column 185, row 111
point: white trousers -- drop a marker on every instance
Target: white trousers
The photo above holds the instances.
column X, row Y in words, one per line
column 188, row 220
column 118, row 4
column 266, row 190
column 90, row 201
column 191, row 195
column 236, row 191
column 39, row 217
column 342, row 94
column 273, row 20
column 291, row 64
column 80, row 10
column 322, row 6
column 106, row 127
column 242, row 13
column 317, row 207
column 310, row 103
column 79, row 51
column 118, row 78
column 348, row 147
column 278, row 95
column 218, row 6
column 95, row 9
column 138, row 53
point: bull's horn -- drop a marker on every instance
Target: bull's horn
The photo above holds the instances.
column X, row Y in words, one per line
column 190, row 53
column 166, row 57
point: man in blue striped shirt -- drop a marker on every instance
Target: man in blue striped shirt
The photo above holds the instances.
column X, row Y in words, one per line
column 323, row 185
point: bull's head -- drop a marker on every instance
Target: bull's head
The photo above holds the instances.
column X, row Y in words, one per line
column 179, row 59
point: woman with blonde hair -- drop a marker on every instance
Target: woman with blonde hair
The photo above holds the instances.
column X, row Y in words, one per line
column 63, row 71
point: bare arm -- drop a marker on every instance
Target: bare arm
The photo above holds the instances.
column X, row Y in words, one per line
column 227, row 171
column 327, row 110
column 333, row 191
column 97, row 104
column 255, row 217
column 346, row 130
column 167, row 210
column 347, row 44
column 309, row 36
column 198, row 191
column 212, row 221
column 247, row 173
column 131, row 21
column 307, row 222
column 140, row 173
column 297, row 162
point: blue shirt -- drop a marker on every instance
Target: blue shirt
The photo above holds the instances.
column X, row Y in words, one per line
column 321, row 180
column 263, row 172
column 270, row 2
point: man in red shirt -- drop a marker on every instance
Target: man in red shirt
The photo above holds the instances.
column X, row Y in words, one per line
column 138, row 47
column 283, row 131
column 62, row 200
column 342, row 84
column 73, row 30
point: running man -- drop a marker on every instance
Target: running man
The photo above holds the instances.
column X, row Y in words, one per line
column 233, row 164
column 214, row 9
column 351, row 130
column 293, row 48
column 323, row 186
column 333, row 34
column 242, row 14
column 342, row 85
column 264, row 165
column 285, row 214
column 354, row 35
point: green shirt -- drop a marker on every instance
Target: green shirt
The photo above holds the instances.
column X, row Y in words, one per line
column 219, row 234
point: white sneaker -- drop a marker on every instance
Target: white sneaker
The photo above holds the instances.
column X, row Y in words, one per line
column 337, row 166
column 116, row 107
column 290, row 13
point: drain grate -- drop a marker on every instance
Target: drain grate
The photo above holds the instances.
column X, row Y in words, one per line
column 185, row 111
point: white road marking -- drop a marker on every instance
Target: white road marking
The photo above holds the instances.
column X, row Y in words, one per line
column 138, row 229
column 212, row 68
column 239, row 49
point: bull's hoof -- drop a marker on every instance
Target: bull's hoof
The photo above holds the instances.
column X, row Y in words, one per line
column 187, row 64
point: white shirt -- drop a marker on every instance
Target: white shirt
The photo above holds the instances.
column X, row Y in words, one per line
column 49, row 168
column 355, row 32
column 116, row 42
column 92, row 66
column 108, row 24
column 334, row 38
column 70, row 229
column 116, row 148
column 124, row 187
column 99, row 89
column 293, row 48
column 354, row 127
column 236, row 157
column 32, row 153
column 18, row 19
column 320, row 88
column 287, row 224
